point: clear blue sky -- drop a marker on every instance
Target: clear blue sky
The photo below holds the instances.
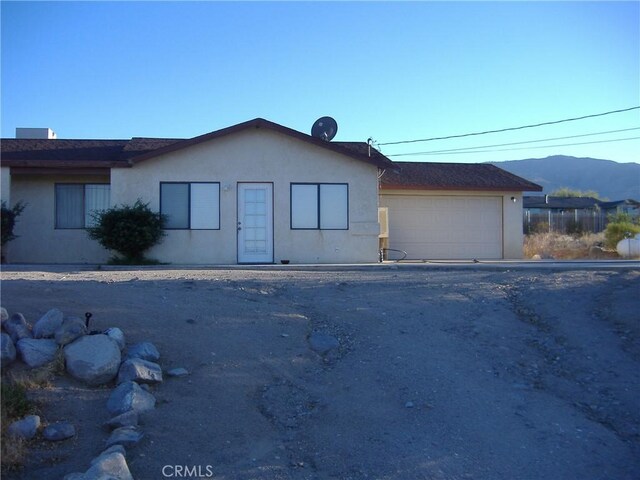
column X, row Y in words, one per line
column 387, row 70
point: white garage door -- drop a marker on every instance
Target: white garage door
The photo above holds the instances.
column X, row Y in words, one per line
column 445, row 227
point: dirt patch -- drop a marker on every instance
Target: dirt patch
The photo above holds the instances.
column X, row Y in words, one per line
column 439, row 373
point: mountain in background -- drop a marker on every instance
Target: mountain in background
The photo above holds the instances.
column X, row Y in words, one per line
column 612, row 180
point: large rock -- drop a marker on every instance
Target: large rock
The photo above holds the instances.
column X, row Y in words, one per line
column 48, row 324
column 7, row 350
column 25, row 428
column 109, row 466
column 127, row 419
column 94, row 359
column 36, row 352
column 129, row 396
column 139, row 371
column 4, row 315
column 126, row 436
column 71, row 328
column 117, row 335
column 112, row 449
column 17, row 327
column 145, row 351
column 58, row 431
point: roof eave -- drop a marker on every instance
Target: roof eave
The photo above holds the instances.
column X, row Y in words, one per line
column 63, row 164
column 102, row 172
column 512, row 188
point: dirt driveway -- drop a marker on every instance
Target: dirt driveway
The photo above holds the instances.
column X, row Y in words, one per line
column 441, row 373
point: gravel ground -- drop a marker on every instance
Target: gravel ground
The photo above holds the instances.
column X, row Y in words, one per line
column 441, row 373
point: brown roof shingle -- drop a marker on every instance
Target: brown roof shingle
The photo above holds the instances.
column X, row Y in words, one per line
column 26, row 152
column 453, row 176
column 260, row 123
column 101, row 154
column 124, row 153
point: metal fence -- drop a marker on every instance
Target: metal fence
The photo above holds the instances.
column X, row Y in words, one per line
column 570, row 221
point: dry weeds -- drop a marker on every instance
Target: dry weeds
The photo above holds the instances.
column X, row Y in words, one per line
column 14, row 405
column 16, row 386
column 14, row 451
column 566, row 247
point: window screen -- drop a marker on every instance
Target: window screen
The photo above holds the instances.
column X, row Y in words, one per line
column 75, row 204
column 174, row 203
column 205, row 206
column 190, row 205
column 334, row 202
column 320, row 206
column 304, row 206
column 96, row 198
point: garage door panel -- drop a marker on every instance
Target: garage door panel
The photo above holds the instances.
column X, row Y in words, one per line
column 445, row 227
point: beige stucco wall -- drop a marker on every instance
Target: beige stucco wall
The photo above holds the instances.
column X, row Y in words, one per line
column 5, row 185
column 38, row 241
column 512, row 236
column 258, row 156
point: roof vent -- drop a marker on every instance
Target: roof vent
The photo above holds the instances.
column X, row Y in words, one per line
column 40, row 133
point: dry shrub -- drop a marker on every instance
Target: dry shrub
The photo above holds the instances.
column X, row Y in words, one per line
column 566, row 247
column 41, row 377
column 15, row 405
column 14, row 452
column 37, row 378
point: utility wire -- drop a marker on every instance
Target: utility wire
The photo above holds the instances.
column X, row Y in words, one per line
column 525, row 148
column 513, row 128
column 451, row 150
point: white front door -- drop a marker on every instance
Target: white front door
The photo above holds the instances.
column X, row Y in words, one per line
column 255, row 223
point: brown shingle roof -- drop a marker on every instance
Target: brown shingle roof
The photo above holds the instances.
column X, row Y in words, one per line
column 103, row 154
column 138, row 146
column 340, row 147
column 453, row 176
column 362, row 148
column 550, row 202
column 28, row 152
column 124, row 153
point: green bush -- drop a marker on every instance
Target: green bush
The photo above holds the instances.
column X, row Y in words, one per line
column 621, row 226
column 9, row 216
column 128, row 230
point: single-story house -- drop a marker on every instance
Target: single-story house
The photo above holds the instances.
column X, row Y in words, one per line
column 257, row 192
column 545, row 203
column 572, row 214
column 628, row 206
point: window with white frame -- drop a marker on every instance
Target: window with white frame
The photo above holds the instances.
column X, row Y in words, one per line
column 190, row 205
column 77, row 203
column 319, row 206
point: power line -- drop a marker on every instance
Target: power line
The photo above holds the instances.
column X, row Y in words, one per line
column 524, row 148
column 511, row 128
column 452, row 150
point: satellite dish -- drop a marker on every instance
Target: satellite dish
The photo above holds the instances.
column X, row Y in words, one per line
column 324, row 128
